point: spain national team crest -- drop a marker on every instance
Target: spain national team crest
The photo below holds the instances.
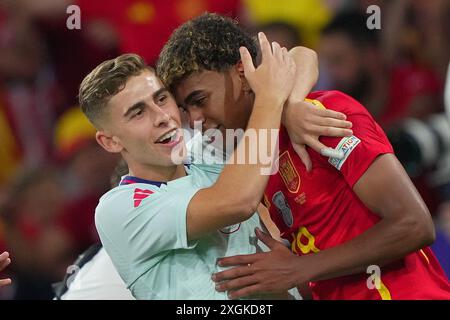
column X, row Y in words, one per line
column 288, row 172
column 280, row 202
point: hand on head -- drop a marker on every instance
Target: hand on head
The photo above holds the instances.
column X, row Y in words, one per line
column 274, row 77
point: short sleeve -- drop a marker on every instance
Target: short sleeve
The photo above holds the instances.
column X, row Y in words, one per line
column 141, row 223
column 367, row 143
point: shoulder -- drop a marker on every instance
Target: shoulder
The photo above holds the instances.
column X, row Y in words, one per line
column 117, row 195
column 116, row 203
column 338, row 101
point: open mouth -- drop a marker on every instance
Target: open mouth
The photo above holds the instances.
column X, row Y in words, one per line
column 167, row 137
column 170, row 138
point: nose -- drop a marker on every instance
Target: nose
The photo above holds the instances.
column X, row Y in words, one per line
column 195, row 115
column 162, row 118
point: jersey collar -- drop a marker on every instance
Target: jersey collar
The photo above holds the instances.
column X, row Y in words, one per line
column 130, row 180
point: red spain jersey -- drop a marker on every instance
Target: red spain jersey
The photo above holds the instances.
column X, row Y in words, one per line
column 319, row 210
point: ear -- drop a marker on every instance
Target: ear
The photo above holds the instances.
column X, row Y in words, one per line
column 239, row 68
column 108, row 142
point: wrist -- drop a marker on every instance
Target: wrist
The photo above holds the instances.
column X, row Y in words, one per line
column 294, row 114
column 306, row 270
column 297, row 96
column 287, row 113
column 267, row 101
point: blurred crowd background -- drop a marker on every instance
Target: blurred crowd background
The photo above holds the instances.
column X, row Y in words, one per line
column 52, row 172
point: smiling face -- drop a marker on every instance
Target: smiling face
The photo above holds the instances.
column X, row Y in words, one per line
column 142, row 122
column 202, row 68
column 219, row 100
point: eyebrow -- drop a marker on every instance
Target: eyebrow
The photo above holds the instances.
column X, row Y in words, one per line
column 189, row 99
column 159, row 92
column 137, row 105
column 141, row 103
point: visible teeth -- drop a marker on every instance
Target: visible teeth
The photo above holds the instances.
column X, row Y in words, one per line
column 170, row 134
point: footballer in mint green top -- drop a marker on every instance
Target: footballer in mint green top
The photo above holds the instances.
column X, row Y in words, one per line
column 142, row 225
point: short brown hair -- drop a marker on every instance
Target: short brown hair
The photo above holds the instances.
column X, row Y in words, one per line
column 105, row 81
column 207, row 42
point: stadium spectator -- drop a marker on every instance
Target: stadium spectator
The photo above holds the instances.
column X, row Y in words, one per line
column 35, row 234
column 4, row 262
column 87, row 168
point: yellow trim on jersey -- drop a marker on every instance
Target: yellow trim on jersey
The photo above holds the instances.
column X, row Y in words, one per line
column 426, row 257
column 384, row 291
column 315, row 102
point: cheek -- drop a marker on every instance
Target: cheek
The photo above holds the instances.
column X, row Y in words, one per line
column 135, row 138
column 175, row 115
column 141, row 149
column 217, row 113
column 226, row 110
column 244, row 106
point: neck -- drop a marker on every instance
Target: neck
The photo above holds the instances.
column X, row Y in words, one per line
column 157, row 173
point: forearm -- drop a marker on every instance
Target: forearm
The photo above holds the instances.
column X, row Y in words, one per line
column 279, row 269
column 306, row 121
column 264, row 122
column 385, row 242
column 306, row 75
column 236, row 194
column 267, row 223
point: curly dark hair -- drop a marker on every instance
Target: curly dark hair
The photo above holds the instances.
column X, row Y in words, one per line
column 207, row 42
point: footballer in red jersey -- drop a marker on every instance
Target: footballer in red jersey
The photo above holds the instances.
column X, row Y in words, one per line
column 357, row 226
column 319, row 210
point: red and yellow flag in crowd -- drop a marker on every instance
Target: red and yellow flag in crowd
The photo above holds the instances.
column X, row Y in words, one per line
column 143, row 26
column 309, row 16
column 9, row 149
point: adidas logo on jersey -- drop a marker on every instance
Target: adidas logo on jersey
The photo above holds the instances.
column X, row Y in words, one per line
column 139, row 195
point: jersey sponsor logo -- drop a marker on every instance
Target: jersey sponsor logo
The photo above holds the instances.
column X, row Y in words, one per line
column 288, row 172
column 346, row 145
column 139, row 195
column 280, row 202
